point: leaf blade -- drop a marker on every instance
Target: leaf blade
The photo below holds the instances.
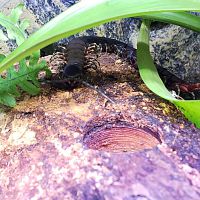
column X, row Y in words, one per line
column 149, row 74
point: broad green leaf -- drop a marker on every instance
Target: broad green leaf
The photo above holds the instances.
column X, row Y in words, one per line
column 149, row 74
column 87, row 14
column 184, row 19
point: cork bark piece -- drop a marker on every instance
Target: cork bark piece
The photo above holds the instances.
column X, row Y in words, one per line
column 79, row 145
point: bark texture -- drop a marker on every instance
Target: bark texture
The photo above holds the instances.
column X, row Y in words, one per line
column 68, row 145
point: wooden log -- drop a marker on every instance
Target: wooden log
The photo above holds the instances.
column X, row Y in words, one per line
column 78, row 145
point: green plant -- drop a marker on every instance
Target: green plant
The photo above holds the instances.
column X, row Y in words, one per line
column 151, row 78
column 24, row 76
column 83, row 16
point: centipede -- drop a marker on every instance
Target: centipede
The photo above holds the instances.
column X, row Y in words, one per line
column 77, row 49
column 76, row 62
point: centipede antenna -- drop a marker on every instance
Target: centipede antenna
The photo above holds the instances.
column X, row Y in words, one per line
column 98, row 90
column 193, row 95
column 176, row 95
column 62, row 81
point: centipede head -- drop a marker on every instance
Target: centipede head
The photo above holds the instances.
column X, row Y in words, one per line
column 72, row 70
column 65, row 84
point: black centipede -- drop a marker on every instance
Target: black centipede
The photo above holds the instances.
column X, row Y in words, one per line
column 77, row 50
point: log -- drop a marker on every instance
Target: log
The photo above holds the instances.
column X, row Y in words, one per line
column 79, row 145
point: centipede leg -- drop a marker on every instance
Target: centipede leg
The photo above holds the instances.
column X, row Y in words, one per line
column 92, row 63
column 58, row 57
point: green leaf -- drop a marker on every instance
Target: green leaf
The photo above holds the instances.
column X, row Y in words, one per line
column 14, row 32
column 12, row 25
column 2, row 57
column 29, row 88
column 34, row 58
column 7, row 100
column 16, row 13
column 25, row 78
column 183, row 19
column 86, row 15
column 24, row 24
column 149, row 74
